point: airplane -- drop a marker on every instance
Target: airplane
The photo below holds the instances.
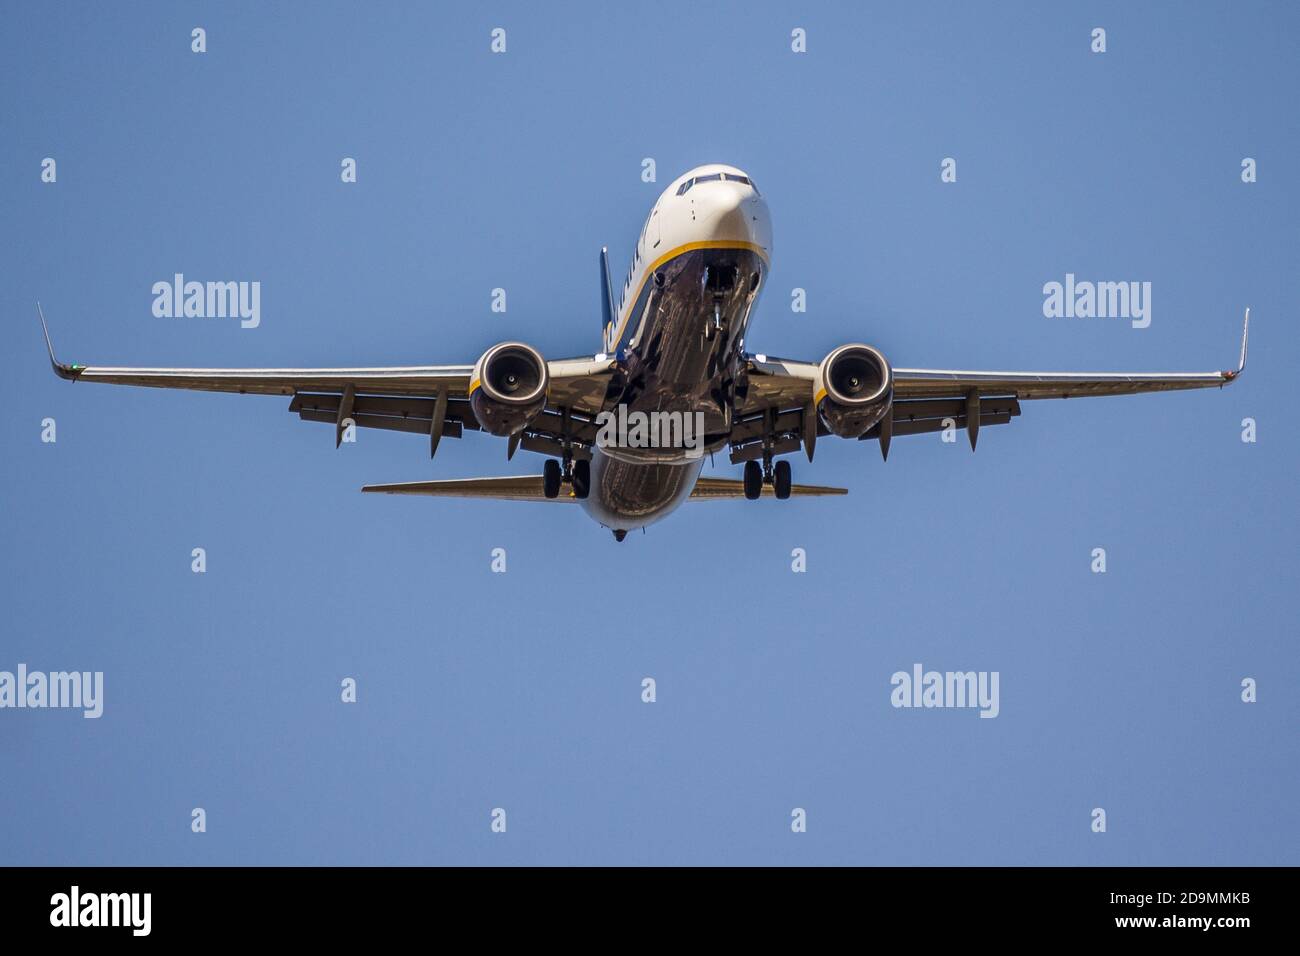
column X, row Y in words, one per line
column 673, row 342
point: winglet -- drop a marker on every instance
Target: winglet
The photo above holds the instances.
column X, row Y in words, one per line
column 69, row 372
column 1245, row 336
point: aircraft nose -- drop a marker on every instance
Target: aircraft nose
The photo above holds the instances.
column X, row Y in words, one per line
column 731, row 211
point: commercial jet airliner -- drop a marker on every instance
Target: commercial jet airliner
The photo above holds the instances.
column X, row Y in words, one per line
column 673, row 349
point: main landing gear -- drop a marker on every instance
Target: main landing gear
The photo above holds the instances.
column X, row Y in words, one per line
column 778, row 476
column 575, row 474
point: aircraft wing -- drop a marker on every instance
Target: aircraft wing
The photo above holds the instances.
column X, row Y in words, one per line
column 398, row 398
column 529, row 488
column 924, row 398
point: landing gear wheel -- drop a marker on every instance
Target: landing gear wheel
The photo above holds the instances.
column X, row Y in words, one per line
column 781, row 480
column 551, row 478
column 581, row 478
column 753, row 480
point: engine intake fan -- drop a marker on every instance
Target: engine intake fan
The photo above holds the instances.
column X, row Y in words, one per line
column 508, row 388
column 855, row 390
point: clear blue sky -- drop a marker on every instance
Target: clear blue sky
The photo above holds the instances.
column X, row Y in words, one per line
column 522, row 690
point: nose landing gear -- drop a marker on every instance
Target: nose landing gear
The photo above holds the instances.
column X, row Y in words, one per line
column 717, row 281
column 716, row 323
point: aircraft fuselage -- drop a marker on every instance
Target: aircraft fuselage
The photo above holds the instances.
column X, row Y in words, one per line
column 679, row 327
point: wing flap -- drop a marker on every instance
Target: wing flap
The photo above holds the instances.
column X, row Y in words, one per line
column 413, row 415
column 416, row 415
column 413, row 425
column 914, row 411
column 923, row 426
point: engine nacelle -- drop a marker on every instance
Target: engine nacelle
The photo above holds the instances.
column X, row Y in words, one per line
column 855, row 389
column 508, row 388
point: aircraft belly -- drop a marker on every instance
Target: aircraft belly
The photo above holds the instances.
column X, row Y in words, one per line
column 626, row 496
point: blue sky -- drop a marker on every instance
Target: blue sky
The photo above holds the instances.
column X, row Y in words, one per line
column 522, row 690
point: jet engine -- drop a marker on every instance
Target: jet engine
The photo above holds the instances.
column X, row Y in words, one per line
column 508, row 388
column 855, row 389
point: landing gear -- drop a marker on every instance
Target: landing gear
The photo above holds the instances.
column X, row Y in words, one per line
column 781, row 480
column 778, row 476
column 714, row 324
column 575, row 474
column 551, row 478
column 770, row 471
column 581, row 479
column 717, row 282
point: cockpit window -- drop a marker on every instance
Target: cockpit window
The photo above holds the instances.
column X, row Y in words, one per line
column 716, row 177
column 737, row 178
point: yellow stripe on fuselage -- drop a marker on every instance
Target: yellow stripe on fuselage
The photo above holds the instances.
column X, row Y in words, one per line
column 631, row 300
